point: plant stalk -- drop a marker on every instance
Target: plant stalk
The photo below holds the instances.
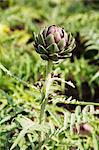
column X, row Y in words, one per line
column 45, row 94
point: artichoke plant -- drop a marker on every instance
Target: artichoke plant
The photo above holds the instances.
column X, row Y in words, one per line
column 53, row 43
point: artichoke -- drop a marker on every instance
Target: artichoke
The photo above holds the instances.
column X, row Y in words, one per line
column 53, row 43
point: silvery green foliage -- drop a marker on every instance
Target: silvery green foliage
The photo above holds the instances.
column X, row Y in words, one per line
column 53, row 43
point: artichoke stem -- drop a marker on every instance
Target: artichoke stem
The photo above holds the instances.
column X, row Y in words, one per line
column 46, row 88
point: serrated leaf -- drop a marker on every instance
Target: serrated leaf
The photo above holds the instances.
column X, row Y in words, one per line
column 18, row 139
column 5, row 119
column 28, row 127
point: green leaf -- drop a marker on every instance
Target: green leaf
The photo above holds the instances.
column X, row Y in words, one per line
column 34, row 36
column 31, row 126
column 54, row 116
column 95, row 76
column 54, row 57
column 66, row 51
column 10, row 74
column 28, row 127
column 31, row 141
column 41, row 50
column 72, row 122
column 91, row 53
column 78, row 111
column 95, row 141
column 45, row 57
column 52, row 48
column 41, row 39
column 61, row 44
column 65, row 55
column 50, row 39
column 37, row 127
column 18, row 139
column 5, row 119
column 44, row 32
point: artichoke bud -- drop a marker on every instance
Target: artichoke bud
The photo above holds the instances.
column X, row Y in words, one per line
column 53, row 43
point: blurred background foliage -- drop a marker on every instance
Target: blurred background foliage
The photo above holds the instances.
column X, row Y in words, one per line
column 18, row 21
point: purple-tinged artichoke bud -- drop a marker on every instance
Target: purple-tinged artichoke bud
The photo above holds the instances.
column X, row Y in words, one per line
column 53, row 43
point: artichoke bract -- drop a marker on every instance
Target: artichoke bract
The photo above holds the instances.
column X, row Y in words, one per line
column 53, row 43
